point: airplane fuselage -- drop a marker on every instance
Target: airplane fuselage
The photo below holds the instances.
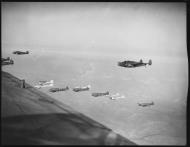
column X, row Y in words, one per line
column 81, row 89
column 145, row 104
column 133, row 64
column 58, row 89
column 100, row 94
column 7, row 63
column 20, row 53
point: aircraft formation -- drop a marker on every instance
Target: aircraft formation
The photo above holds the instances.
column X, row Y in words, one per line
column 9, row 61
column 50, row 83
column 41, row 84
column 127, row 64
column 86, row 88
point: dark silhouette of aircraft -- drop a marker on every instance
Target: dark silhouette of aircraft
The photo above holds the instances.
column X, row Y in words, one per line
column 6, row 61
column 20, row 52
column 96, row 94
column 145, row 104
column 132, row 64
column 78, row 89
column 58, row 89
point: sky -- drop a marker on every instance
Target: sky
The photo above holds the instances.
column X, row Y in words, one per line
column 118, row 28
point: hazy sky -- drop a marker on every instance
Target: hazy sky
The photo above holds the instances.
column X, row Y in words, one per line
column 110, row 28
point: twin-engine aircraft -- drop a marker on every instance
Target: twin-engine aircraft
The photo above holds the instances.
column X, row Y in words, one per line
column 132, row 64
column 146, row 104
column 20, row 52
column 6, row 61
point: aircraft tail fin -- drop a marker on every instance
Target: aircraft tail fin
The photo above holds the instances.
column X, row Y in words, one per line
column 150, row 62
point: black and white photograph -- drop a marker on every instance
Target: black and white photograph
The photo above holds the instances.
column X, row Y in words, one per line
column 94, row 73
